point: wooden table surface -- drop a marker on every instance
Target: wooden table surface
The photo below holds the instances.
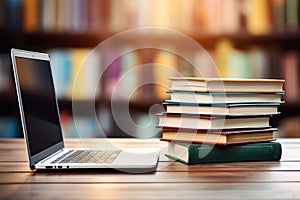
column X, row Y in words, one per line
column 172, row 180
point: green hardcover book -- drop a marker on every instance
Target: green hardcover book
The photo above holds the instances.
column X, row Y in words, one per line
column 205, row 153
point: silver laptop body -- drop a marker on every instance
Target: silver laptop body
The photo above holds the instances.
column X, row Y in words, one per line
column 42, row 128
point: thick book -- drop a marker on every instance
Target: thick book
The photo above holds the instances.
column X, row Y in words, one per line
column 224, row 137
column 205, row 153
column 211, row 122
column 222, row 109
column 229, row 97
column 227, row 84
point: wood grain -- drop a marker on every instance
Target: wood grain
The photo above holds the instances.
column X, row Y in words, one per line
column 106, row 176
column 173, row 180
column 155, row 191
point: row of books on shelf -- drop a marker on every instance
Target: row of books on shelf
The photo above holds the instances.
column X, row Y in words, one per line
column 79, row 73
column 86, row 126
column 227, row 60
column 229, row 129
column 129, row 75
column 76, row 73
column 208, row 16
column 105, row 125
column 257, row 62
column 54, row 15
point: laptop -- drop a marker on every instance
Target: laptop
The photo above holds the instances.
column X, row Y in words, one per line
column 42, row 128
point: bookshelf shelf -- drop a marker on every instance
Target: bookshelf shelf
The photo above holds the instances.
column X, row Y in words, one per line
column 44, row 40
column 287, row 40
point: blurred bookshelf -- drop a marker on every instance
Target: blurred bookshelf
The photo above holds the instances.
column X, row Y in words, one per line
column 245, row 38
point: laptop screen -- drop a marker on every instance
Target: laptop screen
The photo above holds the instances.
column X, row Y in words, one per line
column 39, row 104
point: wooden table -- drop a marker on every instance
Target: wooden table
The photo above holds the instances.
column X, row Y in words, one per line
column 173, row 180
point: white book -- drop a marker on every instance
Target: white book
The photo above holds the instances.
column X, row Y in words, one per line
column 206, row 97
column 220, row 109
column 211, row 122
column 227, row 84
column 48, row 15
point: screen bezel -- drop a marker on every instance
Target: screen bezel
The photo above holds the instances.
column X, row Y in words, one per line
column 33, row 159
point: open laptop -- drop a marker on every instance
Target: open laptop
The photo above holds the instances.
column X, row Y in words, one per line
column 42, row 129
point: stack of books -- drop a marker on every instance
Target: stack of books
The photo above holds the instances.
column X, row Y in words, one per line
column 219, row 120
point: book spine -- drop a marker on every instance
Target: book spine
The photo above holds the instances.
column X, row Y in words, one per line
column 30, row 15
column 235, row 153
column 13, row 14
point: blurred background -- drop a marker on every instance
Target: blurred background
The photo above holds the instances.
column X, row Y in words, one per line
column 245, row 38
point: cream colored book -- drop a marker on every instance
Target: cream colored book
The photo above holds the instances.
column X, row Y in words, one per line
column 211, row 122
column 221, row 109
column 227, row 84
column 229, row 97
column 222, row 137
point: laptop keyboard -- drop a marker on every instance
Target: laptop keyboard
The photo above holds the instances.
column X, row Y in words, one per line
column 88, row 156
column 62, row 156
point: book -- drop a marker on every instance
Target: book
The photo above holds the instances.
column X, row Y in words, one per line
column 80, row 16
column 203, row 65
column 49, row 17
column 211, row 122
column 257, row 19
column 112, row 73
column 128, row 76
column 13, row 14
column 227, row 84
column 292, row 9
column 97, row 15
column 30, row 15
column 165, row 66
column 260, row 64
column 222, row 109
column 223, row 50
column 230, row 12
column 220, row 97
column 85, row 73
column 217, row 137
column 76, row 73
column 290, row 71
column 278, row 11
column 61, row 66
column 239, row 64
column 205, row 153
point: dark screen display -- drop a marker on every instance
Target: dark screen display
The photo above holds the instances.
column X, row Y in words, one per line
column 39, row 104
